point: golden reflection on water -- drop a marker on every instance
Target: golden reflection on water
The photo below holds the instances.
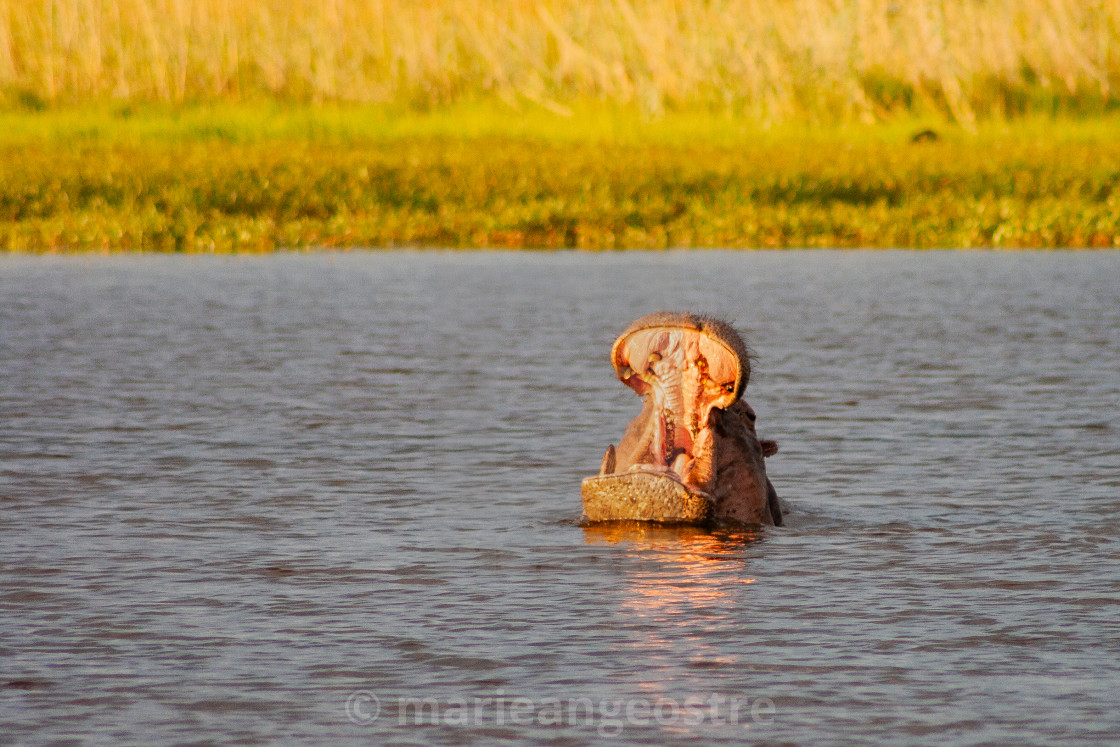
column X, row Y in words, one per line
column 651, row 534
column 698, row 567
column 687, row 581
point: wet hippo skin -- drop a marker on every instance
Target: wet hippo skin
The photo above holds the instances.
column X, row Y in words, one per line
column 692, row 455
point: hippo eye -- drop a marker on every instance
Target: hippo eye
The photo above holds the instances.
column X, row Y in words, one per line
column 730, row 387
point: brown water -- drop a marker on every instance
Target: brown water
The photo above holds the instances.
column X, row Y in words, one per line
column 240, row 498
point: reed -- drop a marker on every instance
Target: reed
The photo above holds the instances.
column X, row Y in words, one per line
column 773, row 60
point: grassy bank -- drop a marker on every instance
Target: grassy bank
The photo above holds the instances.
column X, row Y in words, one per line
column 252, row 179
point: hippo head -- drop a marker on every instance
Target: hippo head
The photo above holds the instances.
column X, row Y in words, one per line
column 688, row 455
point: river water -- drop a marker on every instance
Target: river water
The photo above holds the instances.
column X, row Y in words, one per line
column 336, row 496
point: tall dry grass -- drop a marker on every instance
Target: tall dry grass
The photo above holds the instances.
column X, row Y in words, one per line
column 771, row 58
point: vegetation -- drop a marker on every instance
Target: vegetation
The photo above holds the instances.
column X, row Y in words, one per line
column 773, row 61
column 241, row 180
column 248, row 125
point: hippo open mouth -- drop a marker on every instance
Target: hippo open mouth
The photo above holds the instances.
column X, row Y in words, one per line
column 694, row 433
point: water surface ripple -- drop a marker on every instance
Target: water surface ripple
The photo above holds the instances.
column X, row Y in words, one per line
column 235, row 492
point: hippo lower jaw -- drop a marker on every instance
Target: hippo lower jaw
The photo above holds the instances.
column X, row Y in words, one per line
column 645, row 493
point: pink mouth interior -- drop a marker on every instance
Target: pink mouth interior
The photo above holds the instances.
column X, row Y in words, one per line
column 687, row 374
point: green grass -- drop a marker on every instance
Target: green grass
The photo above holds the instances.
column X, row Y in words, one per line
column 264, row 178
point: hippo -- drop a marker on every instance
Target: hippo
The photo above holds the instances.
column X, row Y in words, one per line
column 692, row 455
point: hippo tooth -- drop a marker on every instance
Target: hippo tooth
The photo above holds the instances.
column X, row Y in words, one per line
column 607, row 465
